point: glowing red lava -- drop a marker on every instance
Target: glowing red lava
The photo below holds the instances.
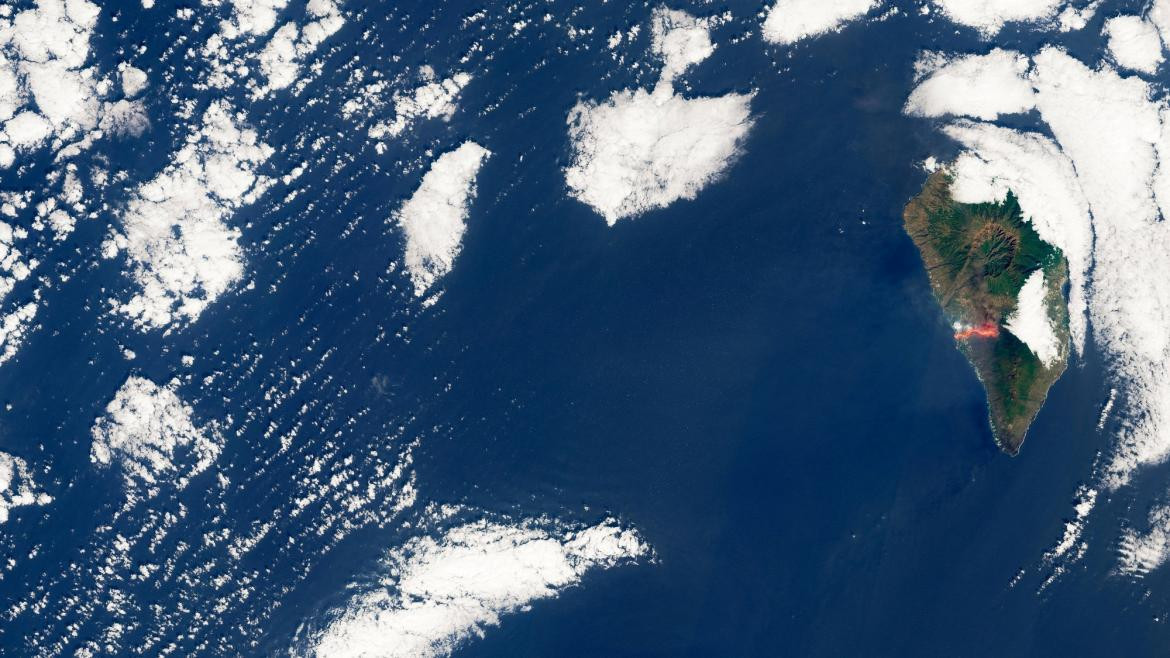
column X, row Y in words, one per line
column 985, row 330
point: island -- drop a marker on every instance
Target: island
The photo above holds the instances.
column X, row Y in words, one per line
column 1002, row 289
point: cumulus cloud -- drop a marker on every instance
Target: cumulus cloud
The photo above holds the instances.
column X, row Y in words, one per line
column 979, row 86
column 125, row 117
column 640, row 149
column 434, row 218
column 14, row 327
column 1134, row 43
column 144, row 431
column 17, row 486
column 789, row 21
column 281, row 59
column 249, row 17
column 433, row 100
column 989, row 16
column 43, row 51
column 133, row 80
column 1032, row 323
column 680, row 40
column 182, row 254
column 1141, row 552
column 1073, row 18
column 449, row 589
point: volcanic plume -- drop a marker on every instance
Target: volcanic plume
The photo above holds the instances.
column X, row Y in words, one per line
column 985, row 330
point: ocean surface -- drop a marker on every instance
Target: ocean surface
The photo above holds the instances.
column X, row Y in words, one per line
column 758, row 379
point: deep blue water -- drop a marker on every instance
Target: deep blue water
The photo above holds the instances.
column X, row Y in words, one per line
column 757, row 380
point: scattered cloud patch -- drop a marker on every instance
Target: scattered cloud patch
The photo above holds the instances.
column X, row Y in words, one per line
column 14, row 328
column 249, row 17
column 43, row 73
column 1074, row 528
column 1072, row 19
column 433, row 100
column 1139, row 553
column 281, row 59
column 17, row 486
column 447, row 590
column 182, row 254
column 143, row 432
column 789, row 21
column 640, row 149
column 434, row 219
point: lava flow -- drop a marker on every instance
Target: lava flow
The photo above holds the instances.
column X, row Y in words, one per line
column 985, row 330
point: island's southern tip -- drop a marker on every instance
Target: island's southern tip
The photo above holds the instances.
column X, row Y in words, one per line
column 1000, row 287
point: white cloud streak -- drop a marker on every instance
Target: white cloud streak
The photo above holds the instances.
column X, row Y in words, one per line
column 447, row 590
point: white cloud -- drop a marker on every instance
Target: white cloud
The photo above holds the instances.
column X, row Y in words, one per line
column 789, row 21
column 447, row 590
column 1141, row 553
column 182, row 254
column 1072, row 19
column 17, row 486
column 1044, row 181
column 980, row 86
column 642, row 150
column 27, row 129
column 144, row 430
column 281, row 59
column 989, row 16
column 254, row 17
column 1111, row 140
column 1134, row 43
column 1159, row 15
column 1113, row 133
column 1074, row 529
column 680, row 40
column 43, row 51
column 14, row 327
column 125, row 117
column 433, row 100
column 1031, row 321
column 133, row 80
column 434, row 218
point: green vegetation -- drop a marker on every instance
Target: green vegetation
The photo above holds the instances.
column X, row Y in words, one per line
column 978, row 257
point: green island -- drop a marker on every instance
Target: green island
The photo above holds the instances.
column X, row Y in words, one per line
column 978, row 257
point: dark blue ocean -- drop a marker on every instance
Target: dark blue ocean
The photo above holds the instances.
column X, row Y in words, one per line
column 758, row 380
